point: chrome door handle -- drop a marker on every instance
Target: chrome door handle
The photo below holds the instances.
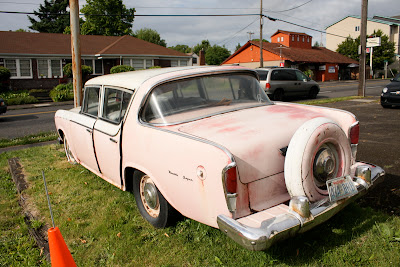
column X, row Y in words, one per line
column 88, row 130
column 113, row 140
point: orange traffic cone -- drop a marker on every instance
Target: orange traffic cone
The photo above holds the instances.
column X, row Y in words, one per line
column 59, row 253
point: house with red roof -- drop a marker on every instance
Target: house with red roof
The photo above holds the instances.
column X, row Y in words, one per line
column 295, row 50
column 36, row 59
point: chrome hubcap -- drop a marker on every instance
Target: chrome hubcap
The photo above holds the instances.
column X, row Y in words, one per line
column 149, row 196
column 325, row 165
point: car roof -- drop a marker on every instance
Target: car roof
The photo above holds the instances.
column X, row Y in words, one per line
column 133, row 79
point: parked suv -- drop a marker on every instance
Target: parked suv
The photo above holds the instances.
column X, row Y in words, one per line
column 281, row 82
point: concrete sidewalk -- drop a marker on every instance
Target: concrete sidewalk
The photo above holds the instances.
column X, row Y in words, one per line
column 39, row 105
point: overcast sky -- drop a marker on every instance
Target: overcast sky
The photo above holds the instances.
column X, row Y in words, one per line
column 228, row 31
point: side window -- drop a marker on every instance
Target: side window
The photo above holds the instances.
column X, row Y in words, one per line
column 301, row 76
column 115, row 104
column 91, row 101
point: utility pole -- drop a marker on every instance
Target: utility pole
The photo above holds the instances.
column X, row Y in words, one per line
column 363, row 44
column 76, row 52
column 261, row 39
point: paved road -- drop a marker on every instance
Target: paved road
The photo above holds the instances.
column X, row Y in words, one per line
column 350, row 88
column 18, row 123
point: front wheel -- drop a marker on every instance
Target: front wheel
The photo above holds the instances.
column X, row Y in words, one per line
column 150, row 202
column 313, row 93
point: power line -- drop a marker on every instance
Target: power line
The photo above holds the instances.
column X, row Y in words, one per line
column 293, row 7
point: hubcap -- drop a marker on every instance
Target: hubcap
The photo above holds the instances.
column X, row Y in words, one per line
column 149, row 196
column 325, row 165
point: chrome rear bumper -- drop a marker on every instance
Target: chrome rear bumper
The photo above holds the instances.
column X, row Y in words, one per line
column 289, row 224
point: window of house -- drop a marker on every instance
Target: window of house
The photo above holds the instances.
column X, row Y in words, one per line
column 308, row 39
column 194, row 60
column 298, row 38
column 138, row 64
column 126, row 61
column 115, row 104
column 292, row 38
column 95, row 64
column 149, row 63
column 49, row 68
column 357, row 28
column 184, row 62
column 19, row 68
column 303, row 39
column 279, row 39
column 174, row 63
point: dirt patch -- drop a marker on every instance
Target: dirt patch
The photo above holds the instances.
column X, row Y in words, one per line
column 40, row 234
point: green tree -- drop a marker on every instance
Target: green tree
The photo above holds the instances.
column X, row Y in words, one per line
column 215, row 55
column 204, row 45
column 349, row 48
column 316, row 44
column 385, row 51
column 181, row 48
column 53, row 17
column 107, row 17
column 21, row 30
column 151, row 36
column 238, row 46
column 258, row 40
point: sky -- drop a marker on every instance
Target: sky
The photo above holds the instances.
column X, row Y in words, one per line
column 223, row 31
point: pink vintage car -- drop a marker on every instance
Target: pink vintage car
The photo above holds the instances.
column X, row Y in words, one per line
column 207, row 142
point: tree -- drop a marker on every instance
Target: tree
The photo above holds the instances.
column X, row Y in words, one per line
column 238, row 46
column 204, row 45
column 53, row 17
column 181, row 48
column 215, row 55
column 21, row 30
column 107, row 17
column 316, row 44
column 385, row 51
column 151, row 36
column 258, row 40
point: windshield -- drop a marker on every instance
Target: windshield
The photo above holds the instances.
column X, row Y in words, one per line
column 195, row 98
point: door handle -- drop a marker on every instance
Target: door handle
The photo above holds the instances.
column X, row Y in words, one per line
column 113, row 140
column 88, row 130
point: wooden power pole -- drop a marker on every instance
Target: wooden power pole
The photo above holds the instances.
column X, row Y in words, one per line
column 363, row 45
column 76, row 52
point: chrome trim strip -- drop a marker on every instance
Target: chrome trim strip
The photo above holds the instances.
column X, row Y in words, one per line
column 286, row 225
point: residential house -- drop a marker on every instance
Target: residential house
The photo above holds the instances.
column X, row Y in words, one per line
column 36, row 60
column 294, row 50
column 350, row 27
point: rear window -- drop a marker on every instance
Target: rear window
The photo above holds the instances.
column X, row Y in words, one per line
column 262, row 74
column 190, row 99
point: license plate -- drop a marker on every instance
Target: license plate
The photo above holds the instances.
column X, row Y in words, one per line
column 340, row 188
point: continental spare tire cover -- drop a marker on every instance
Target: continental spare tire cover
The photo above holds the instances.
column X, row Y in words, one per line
column 318, row 151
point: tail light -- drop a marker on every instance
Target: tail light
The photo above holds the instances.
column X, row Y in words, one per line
column 354, row 133
column 231, row 180
column 267, row 86
column 229, row 175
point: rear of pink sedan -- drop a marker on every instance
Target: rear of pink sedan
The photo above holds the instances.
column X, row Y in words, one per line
column 208, row 143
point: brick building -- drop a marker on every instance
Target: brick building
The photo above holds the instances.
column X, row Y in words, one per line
column 294, row 50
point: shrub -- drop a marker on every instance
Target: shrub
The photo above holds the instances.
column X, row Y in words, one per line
column 67, row 70
column 18, row 98
column 155, row 67
column 62, row 92
column 5, row 74
column 121, row 68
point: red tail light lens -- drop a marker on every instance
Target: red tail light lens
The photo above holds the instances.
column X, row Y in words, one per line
column 267, row 86
column 231, row 180
column 355, row 133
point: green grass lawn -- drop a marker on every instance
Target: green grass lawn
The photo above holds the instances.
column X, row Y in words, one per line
column 102, row 227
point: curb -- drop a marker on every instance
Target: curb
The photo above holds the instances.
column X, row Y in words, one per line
column 39, row 105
